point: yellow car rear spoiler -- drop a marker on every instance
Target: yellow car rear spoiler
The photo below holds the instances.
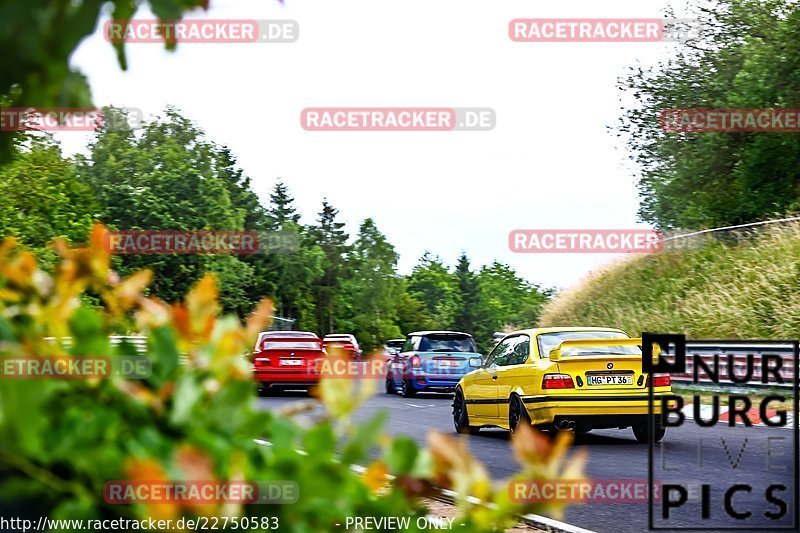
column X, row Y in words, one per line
column 555, row 353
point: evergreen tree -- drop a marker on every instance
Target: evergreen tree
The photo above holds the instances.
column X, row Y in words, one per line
column 282, row 209
column 468, row 287
column 435, row 286
column 293, row 272
column 329, row 234
column 374, row 288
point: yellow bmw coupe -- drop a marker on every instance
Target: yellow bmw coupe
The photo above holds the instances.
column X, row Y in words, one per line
column 560, row 378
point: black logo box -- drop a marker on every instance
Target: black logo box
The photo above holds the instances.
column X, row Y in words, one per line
column 679, row 366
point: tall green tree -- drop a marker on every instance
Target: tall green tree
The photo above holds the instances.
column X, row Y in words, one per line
column 745, row 57
column 434, row 285
column 171, row 178
column 412, row 315
column 505, row 300
column 292, row 272
column 43, row 197
column 255, row 218
column 329, row 234
column 468, row 289
column 374, row 288
column 281, row 207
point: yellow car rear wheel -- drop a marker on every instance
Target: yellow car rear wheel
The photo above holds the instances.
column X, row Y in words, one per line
column 640, row 431
column 517, row 414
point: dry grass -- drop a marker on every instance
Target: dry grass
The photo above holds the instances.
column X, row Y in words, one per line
column 748, row 290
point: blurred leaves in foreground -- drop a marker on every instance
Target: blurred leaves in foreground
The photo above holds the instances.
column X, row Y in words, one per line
column 38, row 38
column 194, row 417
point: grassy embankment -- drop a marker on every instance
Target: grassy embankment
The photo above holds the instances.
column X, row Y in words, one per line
column 747, row 290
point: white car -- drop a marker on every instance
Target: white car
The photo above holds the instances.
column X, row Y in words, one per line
column 345, row 340
column 392, row 347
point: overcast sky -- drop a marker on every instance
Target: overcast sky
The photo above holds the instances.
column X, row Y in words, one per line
column 550, row 162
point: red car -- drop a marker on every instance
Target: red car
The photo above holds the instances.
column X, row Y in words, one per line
column 287, row 360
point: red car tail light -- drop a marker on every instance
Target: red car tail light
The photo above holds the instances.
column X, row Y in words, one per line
column 415, row 362
column 557, row 381
column 660, row 380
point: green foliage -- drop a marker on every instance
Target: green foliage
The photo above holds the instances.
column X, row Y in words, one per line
column 293, row 275
column 373, row 289
column 747, row 57
column 412, row 314
column 504, row 301
column 282, row 209
column 718, row 291
column 169, row 176
column 432, row 284
column 465, row 319
column 43, row 197
column 194, row 185
column 480, row 303
column 38, row 38
column 329, row 234
column 193, row 419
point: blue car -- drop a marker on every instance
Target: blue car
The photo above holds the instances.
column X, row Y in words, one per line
column 430, row 361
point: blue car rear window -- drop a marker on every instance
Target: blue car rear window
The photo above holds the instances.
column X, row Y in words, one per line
column 446, row 343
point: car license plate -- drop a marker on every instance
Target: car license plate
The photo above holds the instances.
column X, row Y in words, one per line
column 291, row 362
column 448, row 363
column 610, row 379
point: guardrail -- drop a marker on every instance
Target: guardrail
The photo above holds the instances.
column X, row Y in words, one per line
column 710, row 351
column 737, row 233
column 139, row 342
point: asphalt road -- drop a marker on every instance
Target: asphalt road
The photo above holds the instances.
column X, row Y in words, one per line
column 689, row 455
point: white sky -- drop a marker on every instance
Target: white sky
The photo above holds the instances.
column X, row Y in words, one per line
column 549, row 163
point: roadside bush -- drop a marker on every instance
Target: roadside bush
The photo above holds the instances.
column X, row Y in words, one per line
column 194, row 417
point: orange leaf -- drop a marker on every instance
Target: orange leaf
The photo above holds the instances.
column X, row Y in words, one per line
column 531, row 446
column 260, row 318
column 375, row 476
column 131, row 288
column 145, row 471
